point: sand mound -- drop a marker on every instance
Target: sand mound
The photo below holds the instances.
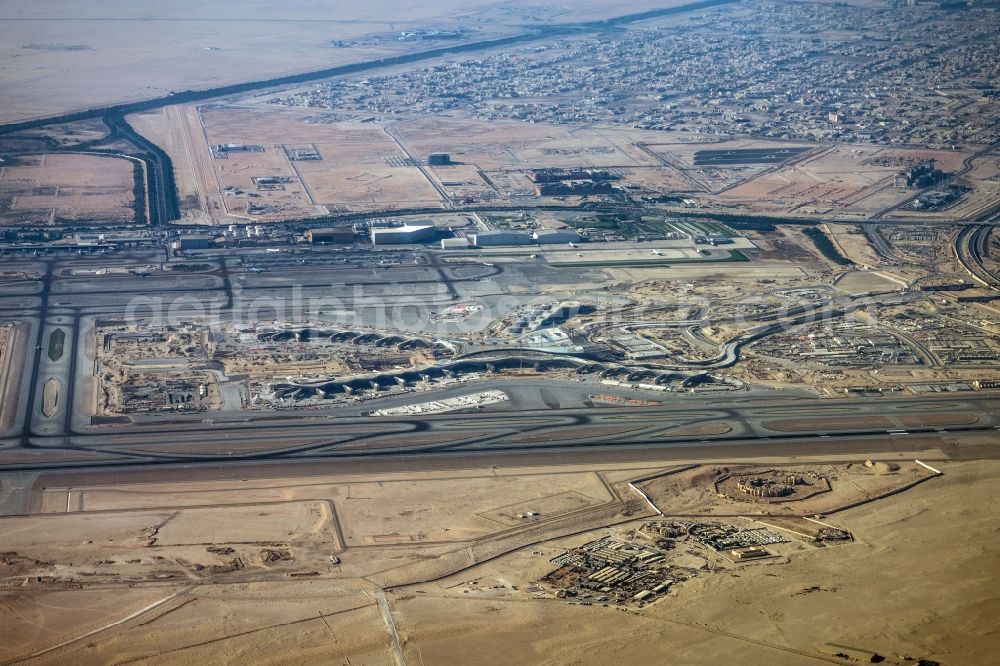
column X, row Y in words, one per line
column 881, row 468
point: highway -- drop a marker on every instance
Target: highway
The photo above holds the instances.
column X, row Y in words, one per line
column 878, row 241
column 971, row 249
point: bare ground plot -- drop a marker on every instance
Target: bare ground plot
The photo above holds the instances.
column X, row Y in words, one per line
column 362, row 167
column 464, row 182
column 362, row 180
column 848, row 181
column 937, row 610
column 582, row 433
column 304, row 625
column 832, row 422
column 698, row 430
column 454, row 630
column 209, row 449
column 33, row 620
column 394, row 510
column 951, row 418
column 50, row 189
column 506, row 151
column 408, row 511
column 706, row 270
column 498, row 144
column 179, row 495
column 164, row 545
column 177, row 129
column 70, row 134
column 407, row 439
column 662, row 179
column 42, row 456
column 50, row 396
column 254, row 523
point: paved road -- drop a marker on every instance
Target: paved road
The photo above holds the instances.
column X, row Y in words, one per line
column 397, row 649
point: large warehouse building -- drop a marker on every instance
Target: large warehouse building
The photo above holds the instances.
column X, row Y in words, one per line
column 402, row 234
column 331, row 235
column 454, row 243
column 501, row 238
column 196, row 242
column 551, row 236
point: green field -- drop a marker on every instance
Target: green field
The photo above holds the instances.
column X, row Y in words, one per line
column 57, row 342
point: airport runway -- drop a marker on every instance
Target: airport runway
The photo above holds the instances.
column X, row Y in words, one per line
column 774, row 426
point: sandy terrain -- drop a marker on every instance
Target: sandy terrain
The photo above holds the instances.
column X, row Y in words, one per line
column 454, row 630
column 361, row 164
column 304, row 624
column 223, row 570
column 256, row 523
column 48, row 189
column 908, row 550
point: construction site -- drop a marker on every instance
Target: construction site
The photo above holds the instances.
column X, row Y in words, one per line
column 665, row 554
column 787, row 491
